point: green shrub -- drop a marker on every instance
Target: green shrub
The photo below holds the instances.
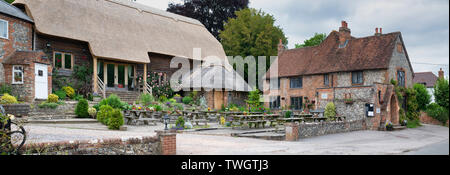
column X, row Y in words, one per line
column 172, row 100
column 438, row 112
column 61, row 94
column 180, row 122
column 52, row 98
column 288, row 114
column 187, row 100
column 70, row 92
column 113, row 101
column 422, row 96
column 82, row 108
column 158, row 108
column 103, row 114
column 115, row 120
column 92, row 112
column 162, row 98
column 8, row 99
column 47, row 105
column 441, row 93
column 413, row 123
column 178, row 106
column 5, row 89
column 78, row 97
column 330, row 110
column 146, row 99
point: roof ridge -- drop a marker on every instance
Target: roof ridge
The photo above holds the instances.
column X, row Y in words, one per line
column 155, row 11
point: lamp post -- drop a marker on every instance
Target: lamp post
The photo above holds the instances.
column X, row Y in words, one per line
column 166, row 121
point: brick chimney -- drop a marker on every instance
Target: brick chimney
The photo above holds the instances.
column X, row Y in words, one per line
column 441, row 73
column 344, row 33
column 280, row 46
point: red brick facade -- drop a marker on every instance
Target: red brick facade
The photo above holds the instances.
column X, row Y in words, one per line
column 168, row 142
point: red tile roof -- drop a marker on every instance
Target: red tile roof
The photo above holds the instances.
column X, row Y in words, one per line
column 427, row 78
column 368, row 53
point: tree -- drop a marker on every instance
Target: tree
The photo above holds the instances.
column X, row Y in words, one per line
column 252, row 33
column 9, row 1
column 254, row 99
column 211, row 13
column 314, row 41
column 422, row 96
column 441, row 93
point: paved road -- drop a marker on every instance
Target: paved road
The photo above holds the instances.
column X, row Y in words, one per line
column 440, row 148
column 408, row 141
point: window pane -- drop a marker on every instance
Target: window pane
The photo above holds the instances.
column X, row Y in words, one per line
column 18, row 77
column 326, row 81
column 68, row 61
column 58, row 60
column 296, row 82
column 3, row 29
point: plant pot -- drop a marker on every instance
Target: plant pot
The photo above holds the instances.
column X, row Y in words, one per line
column 178, row 99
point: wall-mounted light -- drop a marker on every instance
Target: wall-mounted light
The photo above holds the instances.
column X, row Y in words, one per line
column 48, row 45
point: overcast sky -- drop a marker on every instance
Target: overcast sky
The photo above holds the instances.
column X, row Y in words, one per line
column 424, row 23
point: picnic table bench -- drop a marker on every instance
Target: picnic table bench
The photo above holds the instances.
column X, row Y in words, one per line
column 255, row 120
column 147, row 121
column 315, row 119
column 286, row 120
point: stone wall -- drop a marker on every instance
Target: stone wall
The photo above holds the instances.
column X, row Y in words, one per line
column 361, row 96
column 306, row 130
column 162, row 144
column 400, row 61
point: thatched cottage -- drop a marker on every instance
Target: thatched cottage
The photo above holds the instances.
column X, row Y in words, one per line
column 120, row 40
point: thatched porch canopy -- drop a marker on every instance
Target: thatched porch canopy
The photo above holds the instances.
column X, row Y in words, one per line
column 122, row 30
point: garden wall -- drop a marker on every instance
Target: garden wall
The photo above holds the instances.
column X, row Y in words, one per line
column 162, row 144
column 425, row 119
column 306, row 130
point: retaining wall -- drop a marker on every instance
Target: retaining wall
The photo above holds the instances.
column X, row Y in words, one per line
column 306, row 130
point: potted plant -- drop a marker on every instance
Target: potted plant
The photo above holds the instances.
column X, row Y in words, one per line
column 178, row 98
column 348, row 101
column 389, row 126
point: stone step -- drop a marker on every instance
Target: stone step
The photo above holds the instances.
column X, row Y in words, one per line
column 51, row 117
column 399, row 127
column 63, row 121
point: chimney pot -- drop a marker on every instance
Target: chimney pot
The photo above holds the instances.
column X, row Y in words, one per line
column 344, row 24
column 381, row 30
column 376, row 30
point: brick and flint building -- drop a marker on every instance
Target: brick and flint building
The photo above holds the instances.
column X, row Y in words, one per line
column 353, row 73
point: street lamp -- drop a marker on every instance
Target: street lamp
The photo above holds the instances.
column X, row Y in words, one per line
column 166, row 121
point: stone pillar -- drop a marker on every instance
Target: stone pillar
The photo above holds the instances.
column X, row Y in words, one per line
column 94, row 76
column 291, row 132
column 168, row 142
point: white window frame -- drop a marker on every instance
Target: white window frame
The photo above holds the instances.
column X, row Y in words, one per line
column 7, row 29
column 14, row 71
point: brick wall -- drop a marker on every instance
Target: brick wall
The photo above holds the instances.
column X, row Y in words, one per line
column 19, row 38
column 162, row 144
column 425, row 119
column 25, row 91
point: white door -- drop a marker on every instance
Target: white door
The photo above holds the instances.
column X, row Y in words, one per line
column 41, row 81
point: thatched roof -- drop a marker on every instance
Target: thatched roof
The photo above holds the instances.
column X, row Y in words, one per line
column 122, row 30
column 216, row 77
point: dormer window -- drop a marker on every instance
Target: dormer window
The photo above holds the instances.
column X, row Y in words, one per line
column 3, row 29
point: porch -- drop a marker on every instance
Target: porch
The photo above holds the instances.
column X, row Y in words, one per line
column 121, row 78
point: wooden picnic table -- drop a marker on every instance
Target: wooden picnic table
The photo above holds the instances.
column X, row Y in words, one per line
column 286, row 120
column 138, row 117
column 255, row 119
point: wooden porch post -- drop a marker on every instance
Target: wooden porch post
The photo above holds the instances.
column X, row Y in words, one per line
column 145, row 78
column 126, row 76
column 105, row 74
column 116, row 75
column 95, row 75
column 135, row 77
